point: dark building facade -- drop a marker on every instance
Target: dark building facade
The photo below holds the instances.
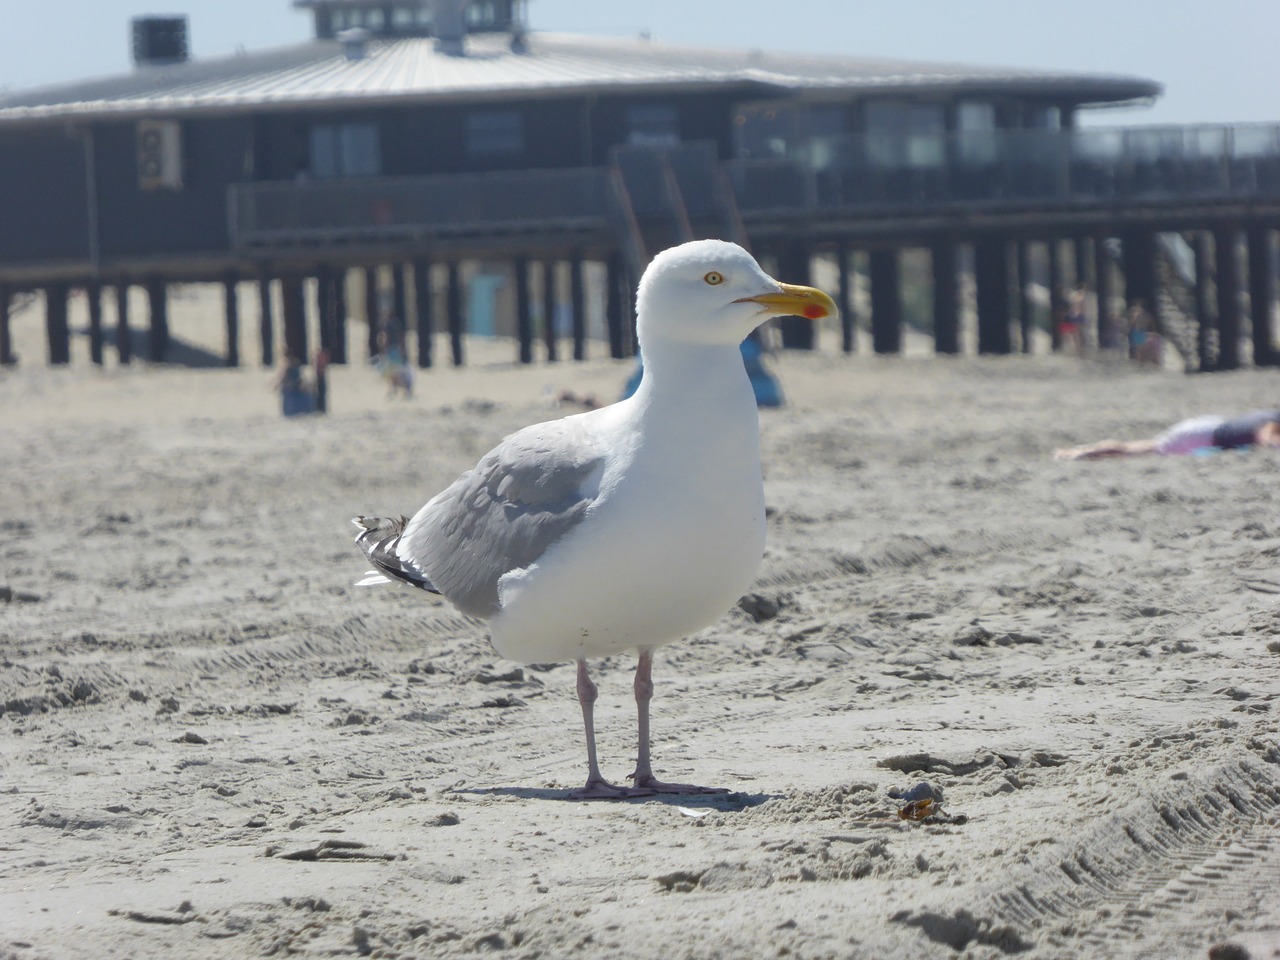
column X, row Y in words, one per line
column 415, row 135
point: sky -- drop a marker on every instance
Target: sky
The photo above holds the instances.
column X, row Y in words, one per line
column 1216, row 58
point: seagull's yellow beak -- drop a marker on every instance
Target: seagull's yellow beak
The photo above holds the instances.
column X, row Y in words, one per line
column 796, row 301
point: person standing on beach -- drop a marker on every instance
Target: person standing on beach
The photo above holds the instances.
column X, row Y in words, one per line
column 1145, row 346
column 295, row 398
column 1072, row 328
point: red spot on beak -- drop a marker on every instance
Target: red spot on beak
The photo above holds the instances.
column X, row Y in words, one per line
column 814, row 312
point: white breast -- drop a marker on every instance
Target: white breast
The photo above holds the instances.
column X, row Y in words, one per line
column 674, row 540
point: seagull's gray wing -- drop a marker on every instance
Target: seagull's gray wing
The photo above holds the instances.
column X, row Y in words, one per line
column 523, row 496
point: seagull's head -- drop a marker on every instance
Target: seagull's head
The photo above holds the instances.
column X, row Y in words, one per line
column 714, row 292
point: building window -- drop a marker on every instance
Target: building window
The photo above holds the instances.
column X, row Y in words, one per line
column 976, row 133
column 765, row 131
column 488, row 15
column 654, row 124
column 903, row 134
column 826, row 135
column 975, row 117
column 1041, row 117
column 345, row 150
column 495, row 133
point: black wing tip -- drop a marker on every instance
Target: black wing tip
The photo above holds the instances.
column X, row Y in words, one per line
column 378, row 543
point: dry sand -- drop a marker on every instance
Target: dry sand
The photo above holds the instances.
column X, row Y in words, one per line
column 213, row 745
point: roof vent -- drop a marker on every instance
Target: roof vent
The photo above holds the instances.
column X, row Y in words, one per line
column 159, row 40
column 519, row 40
column 449, row 21
column 355, row 43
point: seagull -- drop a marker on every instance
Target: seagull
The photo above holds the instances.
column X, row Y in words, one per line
column 626, row 527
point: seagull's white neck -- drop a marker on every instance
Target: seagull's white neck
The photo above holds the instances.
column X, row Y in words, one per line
column 702, row 379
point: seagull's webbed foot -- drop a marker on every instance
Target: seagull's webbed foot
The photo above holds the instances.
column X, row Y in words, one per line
column 654, row 785
column 642, row 778
column 604, row 790
column 597, row 787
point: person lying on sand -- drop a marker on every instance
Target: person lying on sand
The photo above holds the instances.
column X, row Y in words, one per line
column 1259, row 428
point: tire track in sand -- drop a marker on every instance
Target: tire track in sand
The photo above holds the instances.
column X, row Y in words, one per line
column 1168, row 876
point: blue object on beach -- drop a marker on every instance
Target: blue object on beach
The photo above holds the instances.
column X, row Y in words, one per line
column 297, row 402
column 765, row 386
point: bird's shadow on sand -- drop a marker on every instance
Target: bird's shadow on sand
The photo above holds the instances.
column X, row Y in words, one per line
column 727, row 802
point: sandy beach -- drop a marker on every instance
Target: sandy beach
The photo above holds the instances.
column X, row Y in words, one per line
column 214, row 745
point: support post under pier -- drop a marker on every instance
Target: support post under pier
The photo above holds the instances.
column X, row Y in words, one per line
column 1227, row 262
column 886, row 301
column 1262, row 291
column 991, row 277
column 55, row 317
column 946, row 298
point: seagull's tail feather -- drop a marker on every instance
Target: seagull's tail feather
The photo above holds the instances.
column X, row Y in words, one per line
column 379, row 538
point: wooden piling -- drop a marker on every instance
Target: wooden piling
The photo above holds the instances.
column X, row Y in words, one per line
column 1206, row 319
column 293, row 305
column 1262, row 290
column 844, row 290
column 399, row 296
column 231, row 310
column 946, row 297
column 93, row 296
column 456, row 318
column 372, row 308
column 1057, row 293
column 324, row 305
column 124, row 336
column 991, row 277
column 425, row 321
column 613, row 310
column 55, row 317
column 549, row 309
column 338, row 291
column 266, row 322
column 1110, row 327
column 886, row 301
column 158, row 320
column 1138, row 260
column 794, row 266
column 524, row 310
column 1026, row 306
column 578, row 295
column 1227, row 263
column 631, row 345
column 7, row 359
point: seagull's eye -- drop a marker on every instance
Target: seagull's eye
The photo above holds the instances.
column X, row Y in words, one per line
column 714, row 278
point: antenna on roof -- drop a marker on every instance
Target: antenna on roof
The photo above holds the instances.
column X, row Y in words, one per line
column 519, row 27
column 355, row 43
column 449, row 23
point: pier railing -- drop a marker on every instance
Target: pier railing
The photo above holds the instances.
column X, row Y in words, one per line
column 396, row 208
column 817, row 177
column 1014, row 168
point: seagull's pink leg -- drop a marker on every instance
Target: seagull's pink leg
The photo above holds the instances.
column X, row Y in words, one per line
column 597, row 788
column 643, row 777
